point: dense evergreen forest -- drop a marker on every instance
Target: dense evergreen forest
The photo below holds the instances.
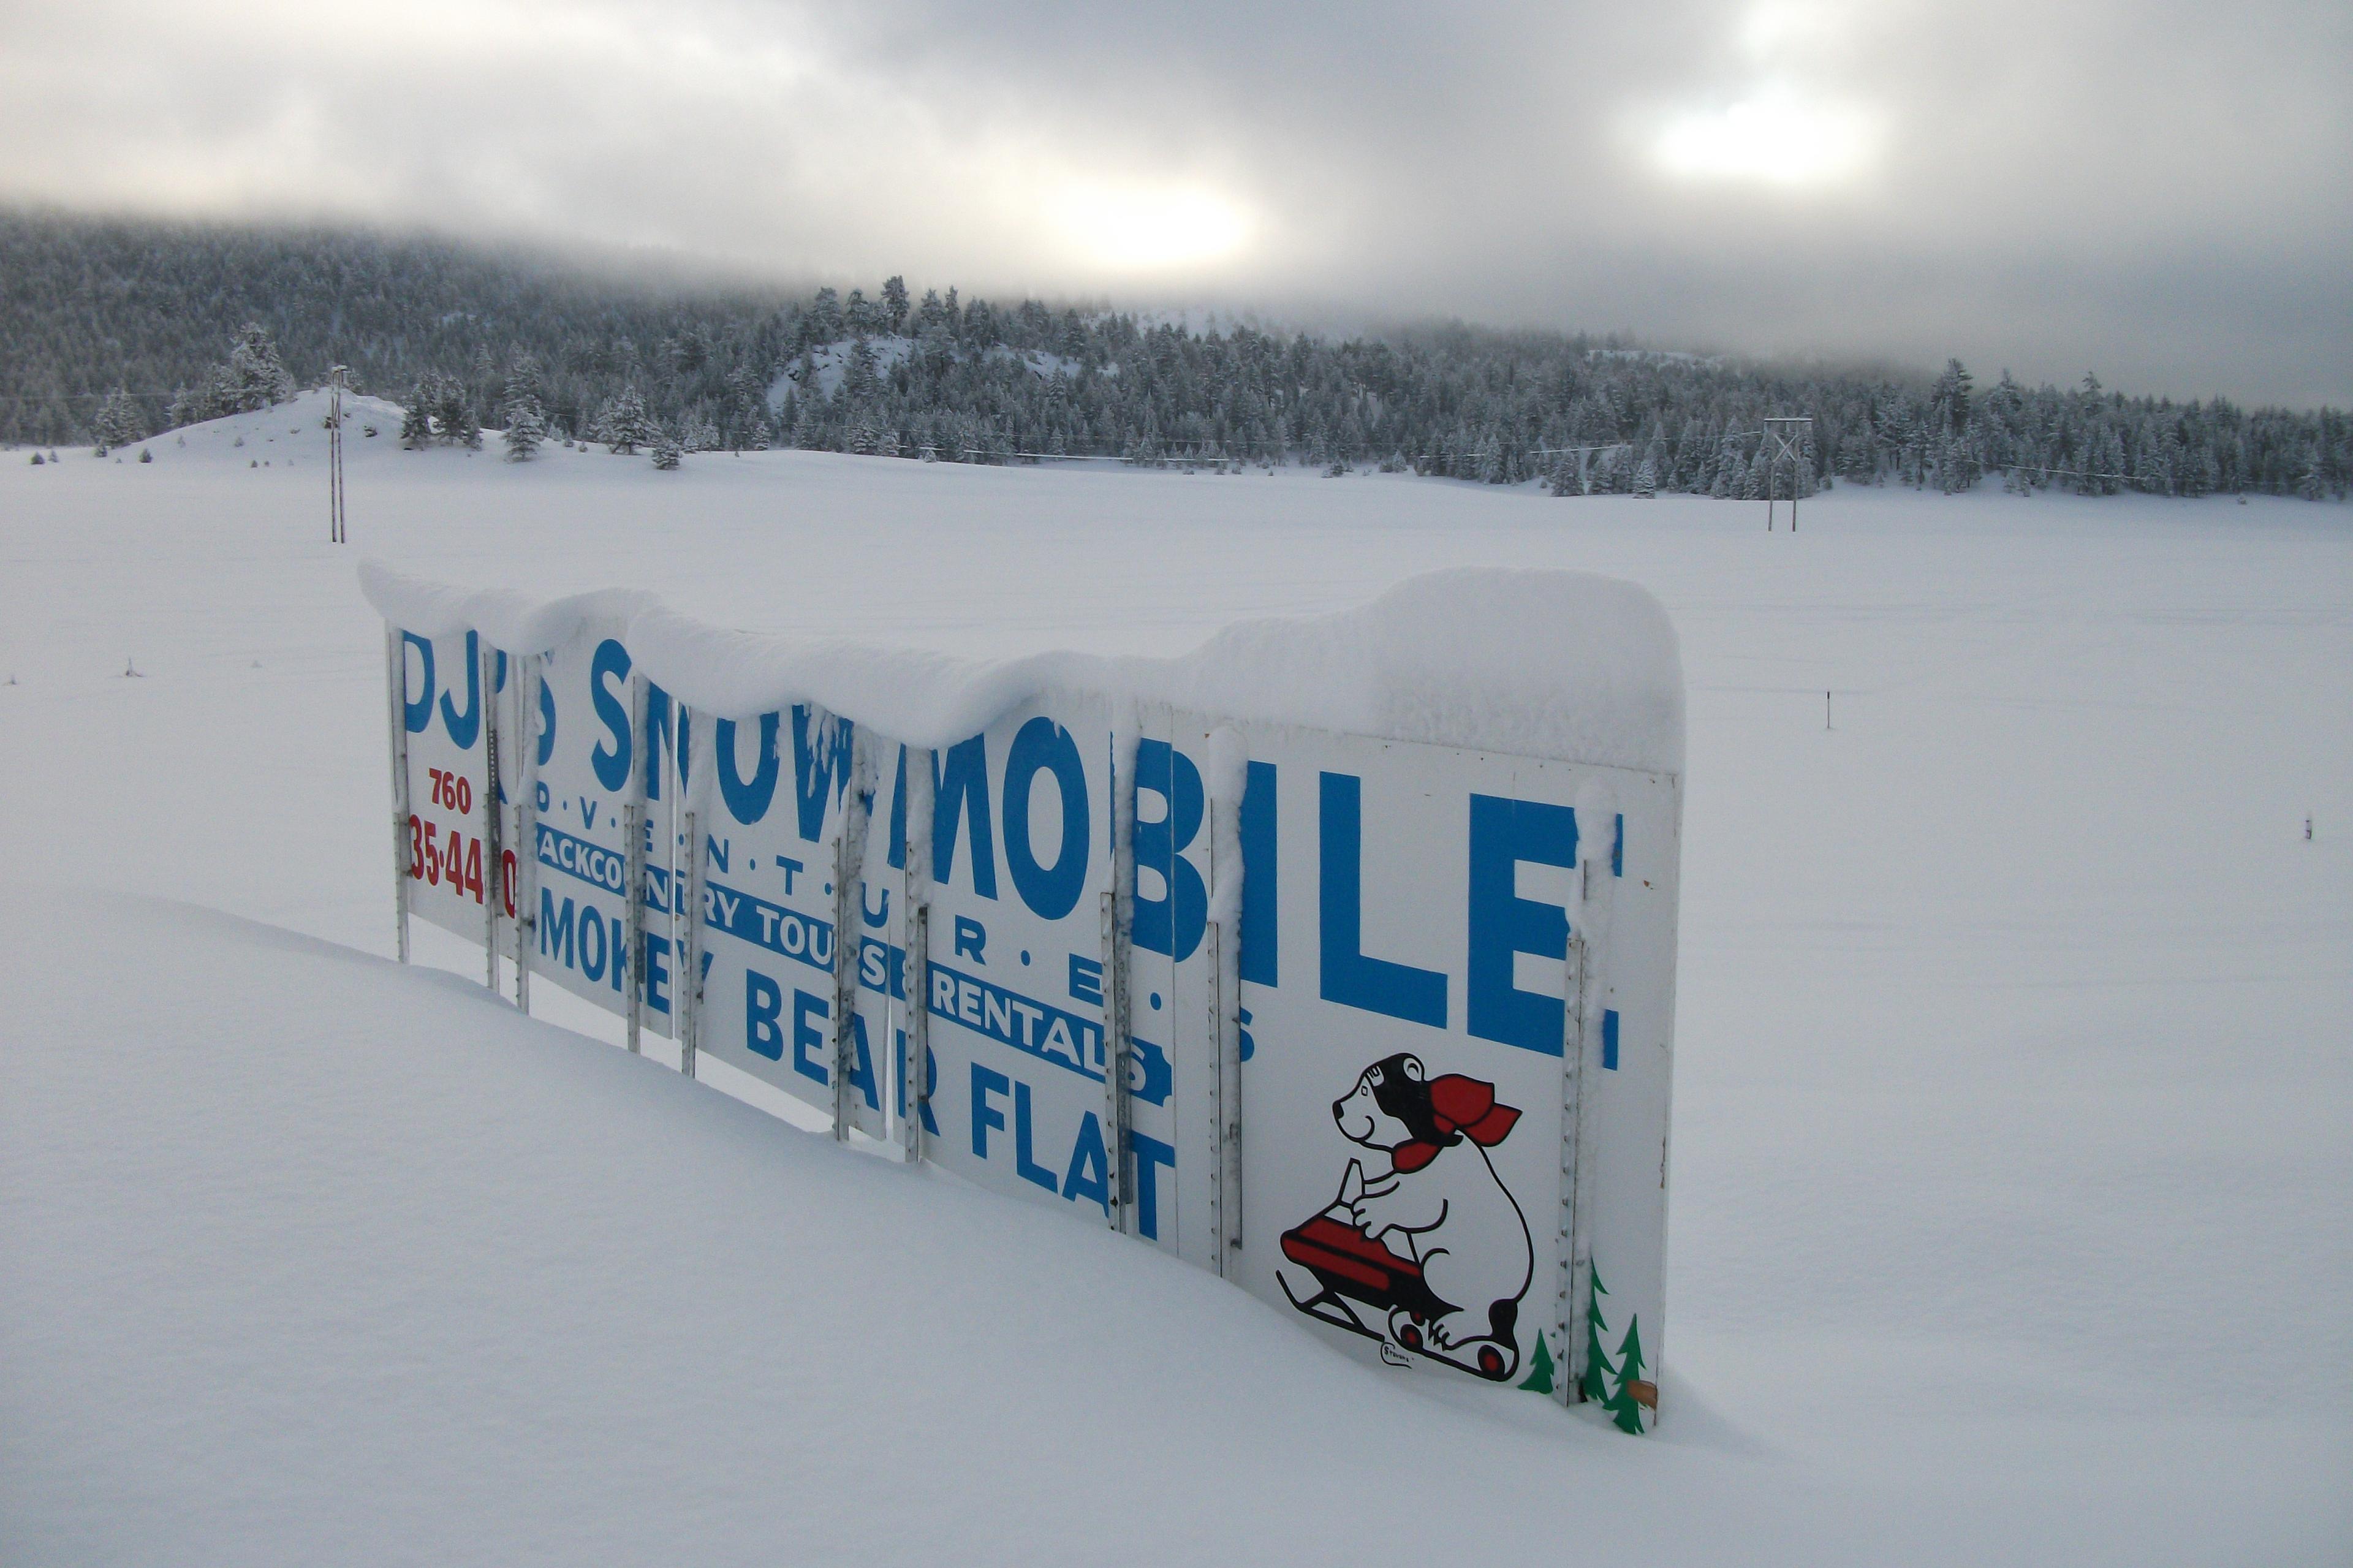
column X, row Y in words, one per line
column 110, row 330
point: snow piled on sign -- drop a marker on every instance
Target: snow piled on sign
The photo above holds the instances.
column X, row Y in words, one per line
column 1569, row 665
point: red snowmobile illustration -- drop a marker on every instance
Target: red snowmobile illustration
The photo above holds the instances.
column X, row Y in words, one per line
column 1434, row 1255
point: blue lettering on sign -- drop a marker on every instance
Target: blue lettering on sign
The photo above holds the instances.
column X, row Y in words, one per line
column 1504, row 834
column 764, row 1005
column 546, row 721
column 1609, row 1039
column 591, row 863
column 1172, row 922
column 822, row 756
column 1087, row 1173
column 657, row 971
column 418, row 712
column 750, row 919
column 610, row 760
column 1026, row 1168
column 1043, row 746
column 575, row 936
column 1034, row 1028
column 970, row 938
column 555, row 929
column 807, row 1036
column 1260, row 934
column 960, row 795
column 747, row 800
column 1349, row 976
column 664, row 729
column 764, row 1034
column 1151, row 1156
column 986, row 1081
column 464, row 728
column 1150, row 1076
column 883, row 967
column 593, row 956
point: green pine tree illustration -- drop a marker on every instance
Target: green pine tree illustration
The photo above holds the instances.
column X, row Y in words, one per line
column 1594, row 1384
column 1539, row 1379
column 1626, row 1405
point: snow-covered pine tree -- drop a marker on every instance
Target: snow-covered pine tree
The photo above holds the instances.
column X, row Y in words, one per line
column 625, row 425
column 2312, row 484
column 253, row 378
column 526, row 428
column 416, row 419
column 454, row 419
column 666, row 452
column 750, row 425
column 523, row 386
column 119, row 422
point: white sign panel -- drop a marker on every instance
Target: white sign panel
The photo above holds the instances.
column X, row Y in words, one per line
column 774, row 808
column 598, row 767
column 454, row 867
column 1396, row 1047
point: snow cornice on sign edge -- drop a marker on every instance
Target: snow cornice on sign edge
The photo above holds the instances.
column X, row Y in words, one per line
column 1525, row 662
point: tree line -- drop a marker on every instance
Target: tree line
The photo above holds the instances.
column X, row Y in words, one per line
column 112, row 328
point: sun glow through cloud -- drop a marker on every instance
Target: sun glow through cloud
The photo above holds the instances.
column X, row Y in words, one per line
column 1771, row 138
column 1142, row 228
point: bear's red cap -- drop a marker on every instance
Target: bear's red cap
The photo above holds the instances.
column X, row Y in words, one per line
column 1462, row 1105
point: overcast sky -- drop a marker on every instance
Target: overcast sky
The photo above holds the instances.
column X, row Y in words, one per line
column 2159, row 190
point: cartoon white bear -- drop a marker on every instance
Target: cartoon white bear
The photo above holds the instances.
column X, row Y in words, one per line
column 1441, row 1206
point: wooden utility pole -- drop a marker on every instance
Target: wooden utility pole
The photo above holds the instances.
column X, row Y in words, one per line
column 336, row 531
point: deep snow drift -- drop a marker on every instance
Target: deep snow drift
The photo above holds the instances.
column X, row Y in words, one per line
column 2012, row 1077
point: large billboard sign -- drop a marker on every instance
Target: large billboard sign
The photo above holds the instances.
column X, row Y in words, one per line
column 1377, row 1025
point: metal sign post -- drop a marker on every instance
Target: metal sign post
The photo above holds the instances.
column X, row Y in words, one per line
column 850, row 908
column 915, row 910
column 1118, row 928
column 1572, row 1298
column 528, row 676
column 494, row 880
column 687, row 989
column 633, row 824
column 396, row 677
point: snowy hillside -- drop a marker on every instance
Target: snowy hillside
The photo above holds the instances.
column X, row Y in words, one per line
column 823, row 367
column 2009, row 1218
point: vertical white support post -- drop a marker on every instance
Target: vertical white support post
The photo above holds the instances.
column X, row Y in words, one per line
column 494, row 880
column 1118, row 928
column 395, row 675
column 686, row 989
column 1574, row 1296
column 686, row 895
column 848, row 912
column 1225, row 1149
column 527, row 677
column 915, row 914
column 633, row 879
column 1115, row 1027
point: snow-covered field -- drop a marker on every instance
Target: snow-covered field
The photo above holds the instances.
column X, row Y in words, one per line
column 2014, row 1122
